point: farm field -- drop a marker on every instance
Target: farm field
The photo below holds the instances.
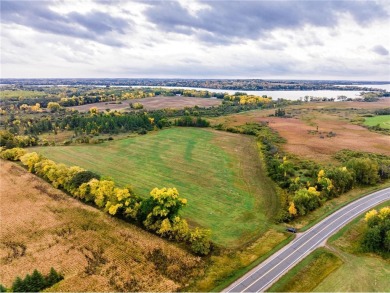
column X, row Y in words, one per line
column 154, row 103
column 41, row 227
column 383, row 121
column 301, row 133
column 219, row 173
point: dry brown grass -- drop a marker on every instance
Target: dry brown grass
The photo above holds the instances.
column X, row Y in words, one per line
column 41, row 227
column 301, row 130
column 154, row 103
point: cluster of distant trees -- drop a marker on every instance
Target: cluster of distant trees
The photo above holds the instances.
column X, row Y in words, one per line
column 36, row 282
column 158, row 213
column 95, row 122
column 9, row 140
column 191, row 121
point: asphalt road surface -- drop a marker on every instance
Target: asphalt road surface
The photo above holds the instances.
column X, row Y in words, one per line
column 268, row 272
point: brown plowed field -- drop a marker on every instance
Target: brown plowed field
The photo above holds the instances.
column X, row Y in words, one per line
column 155, row 103
column 320, row 147
column 41, row 227
column 301, row 130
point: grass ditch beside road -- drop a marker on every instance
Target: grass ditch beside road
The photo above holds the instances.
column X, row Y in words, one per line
column 229, row 265
column 308, row 273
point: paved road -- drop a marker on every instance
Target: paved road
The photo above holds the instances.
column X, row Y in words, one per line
column 268, row 272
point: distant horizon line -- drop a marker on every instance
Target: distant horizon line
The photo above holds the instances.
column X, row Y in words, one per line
column 179, row 78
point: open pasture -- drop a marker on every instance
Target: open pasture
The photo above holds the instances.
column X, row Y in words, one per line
column 219, row 173
column 383, row 121
column 154, row 103
column 41, row 227
column 335, row 130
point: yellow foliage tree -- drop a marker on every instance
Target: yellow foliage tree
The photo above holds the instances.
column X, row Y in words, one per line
column 163, row 203
column 321, row 174
column 200, row 241
column 30, row 159
column 93, row 110
column 384, row 213
column 370, row 215
column 36, row 107
column 292, row 210
column 13, row 154
column 313, row 191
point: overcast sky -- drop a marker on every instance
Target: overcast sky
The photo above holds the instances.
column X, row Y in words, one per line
column 196, row 39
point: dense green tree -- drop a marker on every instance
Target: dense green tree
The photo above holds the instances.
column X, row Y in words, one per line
column 82, row 177
column 306, row 200
column 377, row 235
column 53, row 107
column 365, row 169
column 53, row 277
column 29, row 285
column 37, row 281
column 342, row 179
column 3, row 288
column 7, row 139
column 19, row 286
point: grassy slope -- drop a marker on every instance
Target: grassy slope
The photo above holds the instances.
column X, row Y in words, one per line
column 219, row 173
column 382, row 120
column 58, row 231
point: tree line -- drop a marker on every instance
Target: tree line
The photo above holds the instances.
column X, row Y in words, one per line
column 159, row 213
column 36, row 282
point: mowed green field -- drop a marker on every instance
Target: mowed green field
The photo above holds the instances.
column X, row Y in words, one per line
column 219, row 173
column 382, row 120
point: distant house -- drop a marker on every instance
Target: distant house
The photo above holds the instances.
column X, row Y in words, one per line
column 179, row 95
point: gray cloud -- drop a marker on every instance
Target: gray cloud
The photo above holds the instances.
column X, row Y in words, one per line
column 94, row 25
column 273, row 46
column 226, row 20
column 380, row 50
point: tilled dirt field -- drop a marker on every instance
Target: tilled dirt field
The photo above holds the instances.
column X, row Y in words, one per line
column 41, row 227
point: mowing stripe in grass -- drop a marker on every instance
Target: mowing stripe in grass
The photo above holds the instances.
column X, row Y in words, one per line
column 219, row 173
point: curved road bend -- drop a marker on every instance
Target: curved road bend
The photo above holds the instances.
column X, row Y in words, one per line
column 268, row 272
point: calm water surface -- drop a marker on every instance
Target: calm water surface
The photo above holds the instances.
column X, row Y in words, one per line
column 288, row 95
